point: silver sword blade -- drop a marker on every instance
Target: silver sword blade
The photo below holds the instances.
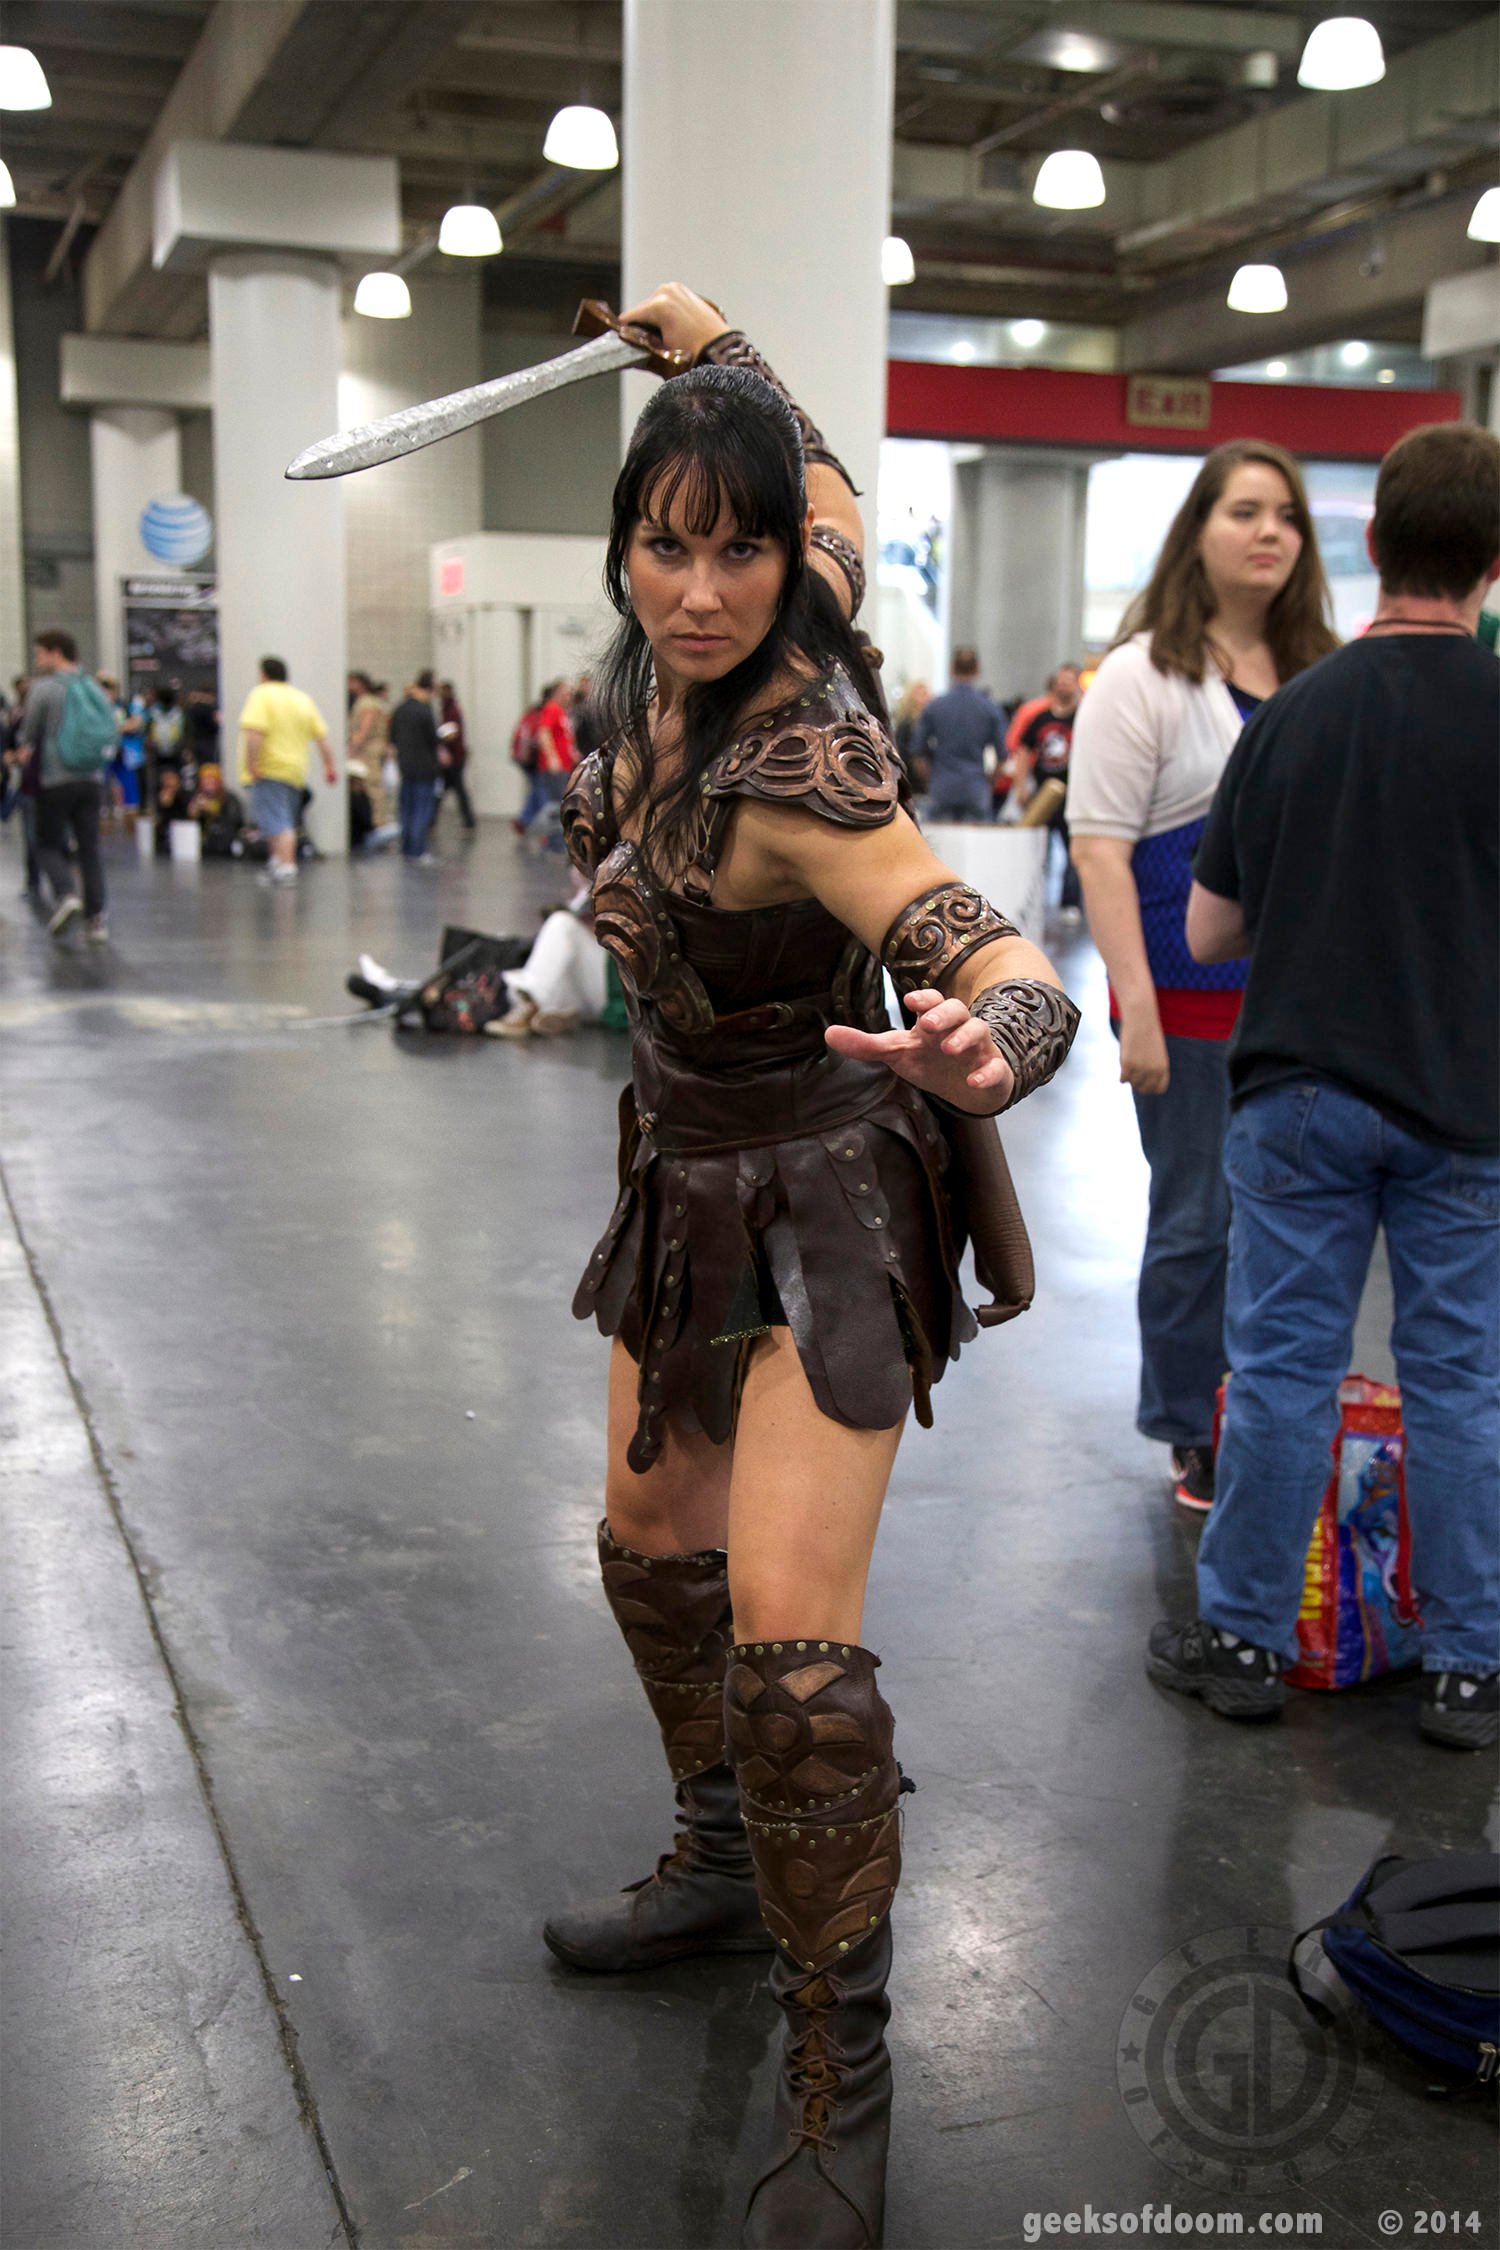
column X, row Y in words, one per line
column 412, row 427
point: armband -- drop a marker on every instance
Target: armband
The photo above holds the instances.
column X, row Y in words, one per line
column 929, row 938
column 1033, row 1026
column 842, row 551
column 733, row 349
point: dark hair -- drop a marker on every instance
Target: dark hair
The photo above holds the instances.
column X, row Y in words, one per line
column 366, row 684
column 965, row 663
column 715, row 440
column 425, row 682
column 1437, row 504
column 273, row 668
column 57, row 643
column 1177, row 606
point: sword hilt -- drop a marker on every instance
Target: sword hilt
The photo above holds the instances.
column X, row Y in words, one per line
column 596, row 319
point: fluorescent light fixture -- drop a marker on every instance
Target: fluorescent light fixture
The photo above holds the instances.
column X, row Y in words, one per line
column 1258, row 289
column 583, row 139
column 1276, row 370
column 469, row 230
column 1027, row 333
column 383, row 296
column 23, row 82
column 1485, row 224
column 1342, row 52
column 1386, row 375
column 1075, row 50
column 1354, row 355
column 897, row 265
column 7, row 187
column 1069, row 180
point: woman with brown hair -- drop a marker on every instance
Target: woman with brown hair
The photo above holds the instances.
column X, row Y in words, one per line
column 1236, row 605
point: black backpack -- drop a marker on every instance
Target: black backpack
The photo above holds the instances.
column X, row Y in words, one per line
column 1418, row 1944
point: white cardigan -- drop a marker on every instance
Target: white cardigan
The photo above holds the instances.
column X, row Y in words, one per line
column 1148, row 747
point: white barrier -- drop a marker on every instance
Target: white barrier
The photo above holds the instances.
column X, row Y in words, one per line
column 1008, row 865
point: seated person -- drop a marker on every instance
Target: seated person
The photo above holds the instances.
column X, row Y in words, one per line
column 564, row 980
column 219, row 814
column 170, row 805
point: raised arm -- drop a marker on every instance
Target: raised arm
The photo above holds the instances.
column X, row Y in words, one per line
column 690, row 324
column 992, row 1021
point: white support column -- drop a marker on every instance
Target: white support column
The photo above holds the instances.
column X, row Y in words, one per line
column 274, row 339
column 136, row 457
column 757, row 168
column 14, row 653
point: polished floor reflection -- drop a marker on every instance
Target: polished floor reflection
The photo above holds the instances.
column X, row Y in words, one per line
column 299, row 1430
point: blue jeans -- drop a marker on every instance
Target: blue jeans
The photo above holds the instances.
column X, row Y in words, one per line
column 1180, row 1299
column 275, row 806
column 418, row 804
column 1314, row 1170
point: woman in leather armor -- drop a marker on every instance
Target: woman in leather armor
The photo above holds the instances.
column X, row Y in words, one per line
column 780, row 1274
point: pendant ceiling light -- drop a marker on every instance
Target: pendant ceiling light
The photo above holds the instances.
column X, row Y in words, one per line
column 582, row 138
column 7, row 187
column 383, row 296
column 1069, row 180
column 1485, row 224
column 1342, row 52
column 897, row 265
column 1258, row 289
column 23, row 82
column 470, row 230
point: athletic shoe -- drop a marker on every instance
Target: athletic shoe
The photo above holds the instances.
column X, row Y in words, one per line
column 1233, row 1677
column 1461, row 1709
column 97, row 932
column 517, row 1023
column 1193, row 1476
column 553, row 1024
column 276, row 877
column 69, row 909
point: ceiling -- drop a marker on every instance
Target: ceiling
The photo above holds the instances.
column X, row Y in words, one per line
column 462, row 93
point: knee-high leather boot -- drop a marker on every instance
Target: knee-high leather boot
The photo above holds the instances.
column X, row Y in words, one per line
column 674, row 1613
column 810, row 1736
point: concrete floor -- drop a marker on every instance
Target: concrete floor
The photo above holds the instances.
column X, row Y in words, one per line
column 315, row 1708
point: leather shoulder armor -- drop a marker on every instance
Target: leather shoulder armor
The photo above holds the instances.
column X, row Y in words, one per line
column 585, row 815
column 823, row 751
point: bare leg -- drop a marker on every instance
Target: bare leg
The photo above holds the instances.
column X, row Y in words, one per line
column 679, row 1506
column 805, row 1501
column 283, row 848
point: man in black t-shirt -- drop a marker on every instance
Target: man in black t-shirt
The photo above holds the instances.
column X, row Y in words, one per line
column 1353, row 850
column 1046, row 740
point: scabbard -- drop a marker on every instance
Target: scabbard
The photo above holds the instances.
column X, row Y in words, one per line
column 997, row 1230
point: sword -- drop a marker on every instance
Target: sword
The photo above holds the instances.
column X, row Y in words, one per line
column 615, row 345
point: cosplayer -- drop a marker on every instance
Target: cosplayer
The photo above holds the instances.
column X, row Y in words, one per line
column 781, row 1272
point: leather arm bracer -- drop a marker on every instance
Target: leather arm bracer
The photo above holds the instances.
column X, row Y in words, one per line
column 941, row 928
column 1033, row 1026
column 734, row 349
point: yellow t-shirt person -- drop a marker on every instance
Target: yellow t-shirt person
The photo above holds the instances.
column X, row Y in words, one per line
column 290, row 722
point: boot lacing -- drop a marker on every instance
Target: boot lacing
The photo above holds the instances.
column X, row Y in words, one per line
column 812, row 2073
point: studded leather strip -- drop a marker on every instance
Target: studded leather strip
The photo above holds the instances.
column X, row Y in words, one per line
column 842, row 551
column 929, row 938
column 674, row 1613
column 810, row 1737
column 734, row 349
column 1033, row 1025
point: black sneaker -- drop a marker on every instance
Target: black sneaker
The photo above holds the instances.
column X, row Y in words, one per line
column 1233, row 1677
column 1193, row 1476
column 1461, row 1709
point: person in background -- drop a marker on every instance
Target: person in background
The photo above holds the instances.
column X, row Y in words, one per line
column 202, row 715
column 915, row 697
column 951, row 738
column 21, row 770
column 279, row 727
column 565, row 980
column 453, row 753
column 368, row 736
column 582, row 717
column 1236, row 604
column 219, row 814
column 128, row 766
column 1042, row 745
column 68, row 802
column 1366, row 1089
column 525, row 752
column 171, row 804
column 414, row 736
column 555, row 754
column 166, row 733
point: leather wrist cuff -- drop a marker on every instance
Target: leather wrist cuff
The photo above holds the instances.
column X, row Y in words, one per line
column 844, row 552
column 1033, row 1025
column 929, row 938
column 734, row 349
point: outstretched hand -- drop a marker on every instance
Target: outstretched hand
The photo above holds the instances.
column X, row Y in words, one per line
column 946, row 1052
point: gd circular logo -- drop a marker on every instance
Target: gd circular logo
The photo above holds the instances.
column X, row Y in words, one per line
column 1228, row 2079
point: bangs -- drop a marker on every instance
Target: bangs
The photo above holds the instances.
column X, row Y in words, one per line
column 696, row 489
